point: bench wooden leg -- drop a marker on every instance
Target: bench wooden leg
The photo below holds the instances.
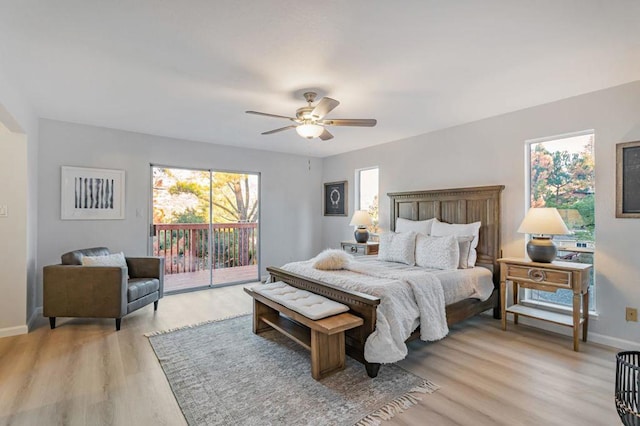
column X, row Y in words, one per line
column 262, row 310
column 327, row 354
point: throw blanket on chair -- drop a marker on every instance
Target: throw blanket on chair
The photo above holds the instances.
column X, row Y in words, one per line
column 407, row 299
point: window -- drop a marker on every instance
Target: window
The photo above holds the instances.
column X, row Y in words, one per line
column 561, row 174
column 367, row 196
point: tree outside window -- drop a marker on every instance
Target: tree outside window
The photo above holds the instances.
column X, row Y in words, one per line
column 562, row 175
column 368, row 195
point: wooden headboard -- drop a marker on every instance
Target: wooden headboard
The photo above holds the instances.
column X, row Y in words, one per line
column 460, row 205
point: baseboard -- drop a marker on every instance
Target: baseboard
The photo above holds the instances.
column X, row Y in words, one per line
column 22, row 329
column 13, row 331
column 37, row 312
column 600, row 339
column 614, row 342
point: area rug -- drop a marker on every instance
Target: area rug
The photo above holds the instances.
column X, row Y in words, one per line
column 223, row 374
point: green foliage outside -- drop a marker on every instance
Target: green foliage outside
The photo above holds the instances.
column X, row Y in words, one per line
column 186, row 200
column 566, row 181
column 189, row 215
column 233, row 198
column 373, row 212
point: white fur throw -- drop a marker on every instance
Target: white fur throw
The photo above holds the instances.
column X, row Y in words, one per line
column 115, row 259
column 331, row 260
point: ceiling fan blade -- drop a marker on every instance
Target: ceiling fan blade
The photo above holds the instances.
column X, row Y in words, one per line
column 360, row 122
column 324, row 107
column 325, row 135
column 270, row 132
column 270, row 115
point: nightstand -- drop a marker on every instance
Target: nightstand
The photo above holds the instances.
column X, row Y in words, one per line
column 360, row 249
column 551, row 277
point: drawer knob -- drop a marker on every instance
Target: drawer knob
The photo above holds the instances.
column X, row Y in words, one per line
column 354, row 249
column 537, row 275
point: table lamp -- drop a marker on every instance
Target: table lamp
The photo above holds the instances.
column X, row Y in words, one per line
column 542, row 223
column 361, row 219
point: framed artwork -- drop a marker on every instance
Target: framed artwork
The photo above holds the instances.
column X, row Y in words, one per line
column 91, row 194
column 335, row 198
column 628, row 180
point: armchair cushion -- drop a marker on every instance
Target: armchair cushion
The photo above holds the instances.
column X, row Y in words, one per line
column 140, row 287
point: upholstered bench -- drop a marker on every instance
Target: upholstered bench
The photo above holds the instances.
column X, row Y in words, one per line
column 311, row 320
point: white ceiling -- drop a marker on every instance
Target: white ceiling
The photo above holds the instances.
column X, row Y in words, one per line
column 190, row 68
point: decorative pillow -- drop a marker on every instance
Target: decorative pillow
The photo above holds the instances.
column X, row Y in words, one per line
column 440, row 229
column 418, row 226
column 332, row 259
column 114, row 259
column 464, row 246
column 398, row 247
column 437, row 252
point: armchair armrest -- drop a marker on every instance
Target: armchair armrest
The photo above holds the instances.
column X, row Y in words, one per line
column 84, row 291
column 147, row 267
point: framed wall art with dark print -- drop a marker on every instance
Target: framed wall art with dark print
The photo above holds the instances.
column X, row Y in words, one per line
column 628, row 179
column 91, row 194
column 335, row 198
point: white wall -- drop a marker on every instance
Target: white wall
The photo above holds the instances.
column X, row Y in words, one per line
column 291, row 194
column 490, row 152
column 18, row 256
column 13, row 229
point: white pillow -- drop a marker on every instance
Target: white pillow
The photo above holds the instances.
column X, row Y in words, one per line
column 437, row 252
column 332, row 259
column 398, row 247
column 114, row 259
column 440, row 229
column 418, row 226
column 464, row 245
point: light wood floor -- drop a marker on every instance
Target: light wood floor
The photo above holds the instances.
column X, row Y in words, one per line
column 86, row 373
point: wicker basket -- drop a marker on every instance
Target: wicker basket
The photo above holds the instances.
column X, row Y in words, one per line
column 628, row 387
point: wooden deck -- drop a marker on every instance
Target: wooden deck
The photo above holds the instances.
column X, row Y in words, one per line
column 188, row 280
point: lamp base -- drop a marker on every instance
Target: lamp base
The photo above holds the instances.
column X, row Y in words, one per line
column 362, row 235
column 542, row 249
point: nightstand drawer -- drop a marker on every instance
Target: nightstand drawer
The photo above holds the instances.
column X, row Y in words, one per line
column 539, row 276
column 354, row 249
column 360, row 249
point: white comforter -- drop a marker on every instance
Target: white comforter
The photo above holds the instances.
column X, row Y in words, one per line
column 407, row 298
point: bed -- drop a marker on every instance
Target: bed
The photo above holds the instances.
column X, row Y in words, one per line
column 461, row 205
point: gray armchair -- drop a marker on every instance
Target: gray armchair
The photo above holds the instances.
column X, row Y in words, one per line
column 73, row 290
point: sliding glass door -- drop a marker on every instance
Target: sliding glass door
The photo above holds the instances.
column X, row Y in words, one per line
column 235, row 227
column 205, row 224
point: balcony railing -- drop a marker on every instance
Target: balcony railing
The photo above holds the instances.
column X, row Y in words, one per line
column 185, row 246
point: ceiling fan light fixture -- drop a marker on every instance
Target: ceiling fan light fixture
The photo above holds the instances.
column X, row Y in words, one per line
column 310, row 121
column 309, row 131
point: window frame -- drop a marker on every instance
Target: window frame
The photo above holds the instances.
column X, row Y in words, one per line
column 525, row 294
column 357, row 189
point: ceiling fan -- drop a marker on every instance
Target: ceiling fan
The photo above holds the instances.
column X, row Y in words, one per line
column 310, row 122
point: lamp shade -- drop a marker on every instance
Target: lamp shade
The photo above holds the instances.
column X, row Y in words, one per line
column 361, row 218
column 543, row 220
column 309, row 131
